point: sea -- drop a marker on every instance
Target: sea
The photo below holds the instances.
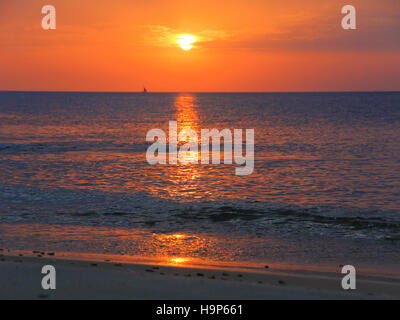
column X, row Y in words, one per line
column 325, row 190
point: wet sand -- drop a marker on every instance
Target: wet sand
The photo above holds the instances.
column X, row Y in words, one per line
column 21, row 277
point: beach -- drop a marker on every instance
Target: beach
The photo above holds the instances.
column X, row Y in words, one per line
column 20, row 276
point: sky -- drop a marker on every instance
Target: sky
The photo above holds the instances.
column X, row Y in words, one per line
column 253, row 45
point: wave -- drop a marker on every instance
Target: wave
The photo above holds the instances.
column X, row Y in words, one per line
column 141, row 209
column 69, row 146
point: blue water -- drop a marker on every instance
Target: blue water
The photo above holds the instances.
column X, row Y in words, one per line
column 327, row 168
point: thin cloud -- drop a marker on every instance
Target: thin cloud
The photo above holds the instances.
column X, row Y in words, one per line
column 163, row 36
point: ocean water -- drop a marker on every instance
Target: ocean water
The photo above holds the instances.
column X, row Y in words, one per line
column 325, row 187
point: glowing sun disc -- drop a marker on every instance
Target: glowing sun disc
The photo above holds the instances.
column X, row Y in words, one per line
column 186, row 41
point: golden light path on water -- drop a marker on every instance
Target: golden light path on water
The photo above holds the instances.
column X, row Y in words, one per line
column 184, row 177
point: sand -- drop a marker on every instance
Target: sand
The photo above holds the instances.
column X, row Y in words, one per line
column 20, row 278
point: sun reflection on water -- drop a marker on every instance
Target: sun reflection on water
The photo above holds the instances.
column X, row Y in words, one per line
column 184, row 177
column 179, row 261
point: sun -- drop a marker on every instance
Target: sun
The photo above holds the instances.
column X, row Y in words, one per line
column 186, row 41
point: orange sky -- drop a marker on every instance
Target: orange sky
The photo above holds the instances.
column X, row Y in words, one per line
column 253, row 45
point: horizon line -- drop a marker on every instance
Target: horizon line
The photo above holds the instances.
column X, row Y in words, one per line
column 149, row 92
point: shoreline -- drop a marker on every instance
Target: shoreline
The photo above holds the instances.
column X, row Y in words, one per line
column 200, row 250
column 105, row 277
